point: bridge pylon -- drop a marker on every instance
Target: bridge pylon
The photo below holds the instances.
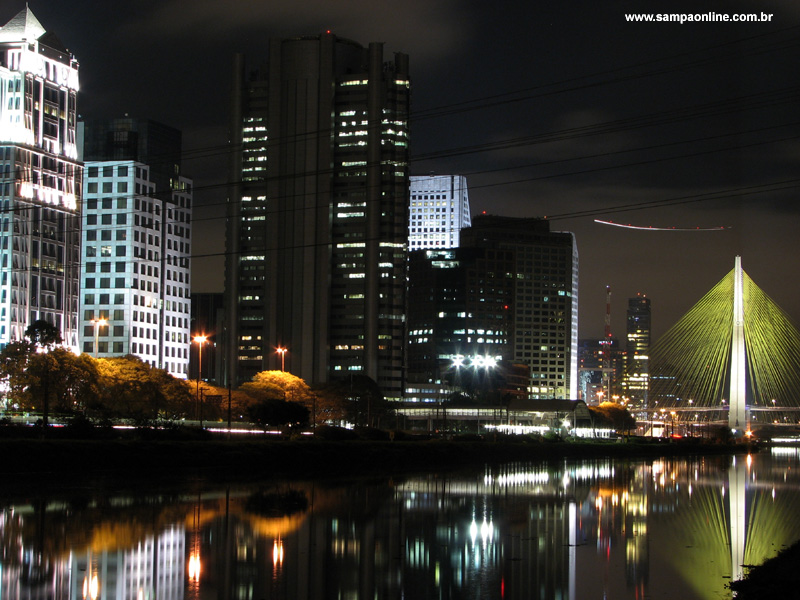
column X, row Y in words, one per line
column 737, row 413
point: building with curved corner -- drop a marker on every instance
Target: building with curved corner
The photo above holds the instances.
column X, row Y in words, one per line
column 137, row 235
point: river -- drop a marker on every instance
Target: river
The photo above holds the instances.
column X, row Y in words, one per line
column 605, row 529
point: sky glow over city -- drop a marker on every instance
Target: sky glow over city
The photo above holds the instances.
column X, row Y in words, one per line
column 570, row 111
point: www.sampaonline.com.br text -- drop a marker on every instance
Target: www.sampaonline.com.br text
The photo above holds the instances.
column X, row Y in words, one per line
column 709, row 17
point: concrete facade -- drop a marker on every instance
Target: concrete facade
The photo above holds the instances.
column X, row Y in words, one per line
column 317, row 221
column 40, row 181
column 438, row 211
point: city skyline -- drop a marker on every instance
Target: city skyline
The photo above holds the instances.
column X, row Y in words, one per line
column 566, row 112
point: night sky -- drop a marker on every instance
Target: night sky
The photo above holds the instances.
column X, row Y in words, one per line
column 557, row 109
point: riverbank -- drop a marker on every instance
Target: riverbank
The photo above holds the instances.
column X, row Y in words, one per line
column 219, row 458
column 777, row 577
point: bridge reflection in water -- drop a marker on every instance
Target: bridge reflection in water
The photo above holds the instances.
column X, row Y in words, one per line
column 671, row 528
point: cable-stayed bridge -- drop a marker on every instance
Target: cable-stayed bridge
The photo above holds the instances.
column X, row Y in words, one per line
column 735, row 353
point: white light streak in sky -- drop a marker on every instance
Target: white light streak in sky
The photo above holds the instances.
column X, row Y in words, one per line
column 651, row 228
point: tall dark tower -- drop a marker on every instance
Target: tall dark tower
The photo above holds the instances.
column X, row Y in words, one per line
column 636, row 382
column 544, row 334
column 317, row 221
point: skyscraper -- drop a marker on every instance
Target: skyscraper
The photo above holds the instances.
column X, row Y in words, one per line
column 461, row 314
column 635, row 383
column 40, row 181
column 544, row 302
column 317, row 222
column 439, row 210
column 136, row 243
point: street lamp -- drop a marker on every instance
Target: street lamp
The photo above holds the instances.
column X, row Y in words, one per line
column 97, row 324
column 200, row 339
column 282, row 352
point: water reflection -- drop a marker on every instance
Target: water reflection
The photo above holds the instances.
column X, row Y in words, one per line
column 590, row 529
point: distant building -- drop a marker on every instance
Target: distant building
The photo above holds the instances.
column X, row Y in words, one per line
column 142, row 140
column 636, row 383
column 208, row 318
column 137, row 246
column 601, row 366
column 40, row 181
column 438, row 211
column 318, row 219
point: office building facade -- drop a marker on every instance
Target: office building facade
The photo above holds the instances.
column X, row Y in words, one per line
column 40, row 181
column 318, row 219
column 544, row 302
column 636, row 382
column 438, row 211
column 460, row 320
column 136, row 248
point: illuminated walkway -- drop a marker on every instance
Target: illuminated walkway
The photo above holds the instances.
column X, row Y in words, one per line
column 735, row 350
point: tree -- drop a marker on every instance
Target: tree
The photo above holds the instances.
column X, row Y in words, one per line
column 43, row 334
column 13, row 364
column 329, row 403
column 239, row 401
column 276, row 412
column 63, row 381
column 614, row 415
column 39, row 374
column 44, row 337
column 133, row 389
column 358, row 399
column 279, row 385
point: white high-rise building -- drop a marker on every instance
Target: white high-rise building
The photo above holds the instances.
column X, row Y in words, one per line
column 39, row 182
column 154, row 568
column 439, row 209
column 136, row 249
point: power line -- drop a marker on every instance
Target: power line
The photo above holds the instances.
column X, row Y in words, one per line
column 785, row 95
column 753, row 101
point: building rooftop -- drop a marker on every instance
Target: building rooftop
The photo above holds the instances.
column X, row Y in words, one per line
column 24, row 26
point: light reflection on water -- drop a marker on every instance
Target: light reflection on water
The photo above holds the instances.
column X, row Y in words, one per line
column 572, row 530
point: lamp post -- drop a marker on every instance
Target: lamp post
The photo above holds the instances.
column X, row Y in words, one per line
column 282, row 351
column 200, row 339
column 97, row 324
